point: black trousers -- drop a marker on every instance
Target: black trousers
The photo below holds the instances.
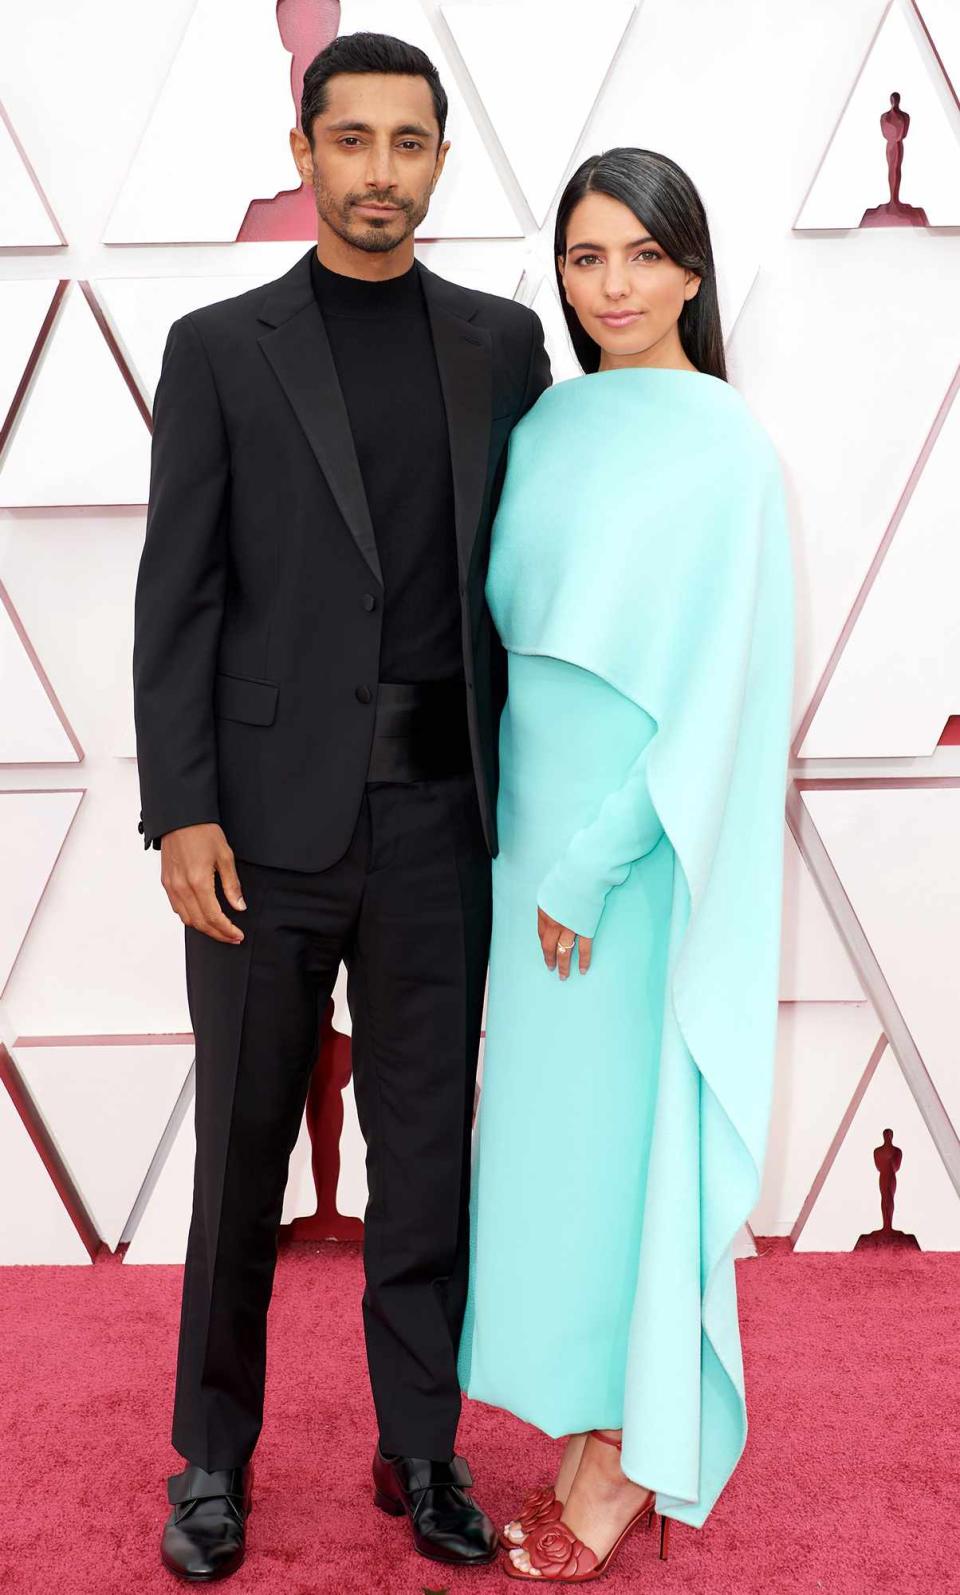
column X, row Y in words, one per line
column 407, row 909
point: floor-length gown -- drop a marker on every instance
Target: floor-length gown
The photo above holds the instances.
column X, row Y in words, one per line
column 640, row 580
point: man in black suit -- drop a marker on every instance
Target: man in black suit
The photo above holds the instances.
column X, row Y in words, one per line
column 317, row 689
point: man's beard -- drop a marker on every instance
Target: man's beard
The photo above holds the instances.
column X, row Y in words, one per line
column 375, row 238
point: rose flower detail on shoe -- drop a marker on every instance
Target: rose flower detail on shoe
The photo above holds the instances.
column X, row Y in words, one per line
column 557, row 1553
column 540, row 1506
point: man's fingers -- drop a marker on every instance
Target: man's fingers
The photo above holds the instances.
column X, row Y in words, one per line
column 230, row 882
column 213, row 921
column 196, row 903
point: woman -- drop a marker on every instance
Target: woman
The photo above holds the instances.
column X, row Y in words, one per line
column 640, row 579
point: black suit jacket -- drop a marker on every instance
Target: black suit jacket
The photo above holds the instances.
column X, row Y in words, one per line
column 259, row 595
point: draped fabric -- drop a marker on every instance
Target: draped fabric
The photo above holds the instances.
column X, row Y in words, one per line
column 642, row 535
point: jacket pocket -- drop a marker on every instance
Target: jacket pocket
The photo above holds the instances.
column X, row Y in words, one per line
column 245, row 698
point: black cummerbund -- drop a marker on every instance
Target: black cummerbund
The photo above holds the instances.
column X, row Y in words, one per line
column 420, row 731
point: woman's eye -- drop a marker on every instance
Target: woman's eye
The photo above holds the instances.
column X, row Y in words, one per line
column 650, row 254
column 581, row 260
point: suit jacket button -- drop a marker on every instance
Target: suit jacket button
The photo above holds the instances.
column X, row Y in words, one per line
column 364, row 695
column 369, row 601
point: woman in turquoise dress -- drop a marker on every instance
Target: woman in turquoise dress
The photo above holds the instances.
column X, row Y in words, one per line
column 641, row 581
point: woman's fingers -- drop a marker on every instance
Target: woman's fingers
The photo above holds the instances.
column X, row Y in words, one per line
column 566, row 942
column 558, row 942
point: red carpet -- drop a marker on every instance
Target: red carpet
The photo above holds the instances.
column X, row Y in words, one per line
column 849, row 1483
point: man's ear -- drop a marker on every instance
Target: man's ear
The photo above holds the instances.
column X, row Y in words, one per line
column 441, row 157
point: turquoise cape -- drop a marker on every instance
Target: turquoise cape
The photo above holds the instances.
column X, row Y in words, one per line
column 642, row 535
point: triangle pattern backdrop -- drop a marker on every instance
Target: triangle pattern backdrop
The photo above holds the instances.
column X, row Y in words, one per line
column 499, row 43
column 895, row 850
column 33, row 727
column 107, row 1156
column 897, row 681
column 78, row 396
column 24, row 219
column 33, row 829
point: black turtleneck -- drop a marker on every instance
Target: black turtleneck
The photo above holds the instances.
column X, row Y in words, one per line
column 383, row 350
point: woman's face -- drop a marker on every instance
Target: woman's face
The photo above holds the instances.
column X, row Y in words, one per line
column 626, row 290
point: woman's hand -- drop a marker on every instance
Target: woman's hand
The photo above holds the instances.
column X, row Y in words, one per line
column 557, row 942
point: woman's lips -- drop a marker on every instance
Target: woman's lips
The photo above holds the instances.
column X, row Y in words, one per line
column 621, row 318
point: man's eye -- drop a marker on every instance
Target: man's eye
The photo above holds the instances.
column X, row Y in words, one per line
column 411, row 144
column 351, row 138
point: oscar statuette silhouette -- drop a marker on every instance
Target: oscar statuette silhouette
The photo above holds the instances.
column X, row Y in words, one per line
column 888, row 1159
column 894, row 125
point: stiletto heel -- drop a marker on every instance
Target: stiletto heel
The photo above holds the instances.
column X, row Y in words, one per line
column 664, row 1536
column 557, row 1555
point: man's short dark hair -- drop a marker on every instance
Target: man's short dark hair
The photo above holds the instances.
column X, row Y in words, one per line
column 366, row 52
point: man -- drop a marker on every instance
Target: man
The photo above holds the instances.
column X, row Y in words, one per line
column 317, row 689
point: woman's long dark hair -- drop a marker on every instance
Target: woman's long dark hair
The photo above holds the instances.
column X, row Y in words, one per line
column 665, row 201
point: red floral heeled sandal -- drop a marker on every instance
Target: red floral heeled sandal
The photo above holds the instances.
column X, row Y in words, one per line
column 555, row 1553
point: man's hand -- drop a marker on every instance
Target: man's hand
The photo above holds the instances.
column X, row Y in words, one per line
column 189, row 861
column 557, row 942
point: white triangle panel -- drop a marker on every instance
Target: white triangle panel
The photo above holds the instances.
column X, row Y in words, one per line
column 897, row 680
column 895, row 850
column 814, row 963
column 161, row 1234
column 469, row 201
column 31, row 728
column 500, row 43
column 106, row 1107
column 24, row 222
column 23, row 306
column 822, row 1051
column 172, row 193
column 79, row 437
column 853, row 175
column 925, row 1204
column 35, row 1227
column 33, row 827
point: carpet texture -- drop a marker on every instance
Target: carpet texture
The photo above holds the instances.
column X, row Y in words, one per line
column 850, row 1482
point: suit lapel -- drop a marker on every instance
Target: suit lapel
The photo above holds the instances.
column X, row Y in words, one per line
column 464, row 361
column 298, row 349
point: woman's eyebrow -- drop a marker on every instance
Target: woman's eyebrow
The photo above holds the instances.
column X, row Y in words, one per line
column 632, row 245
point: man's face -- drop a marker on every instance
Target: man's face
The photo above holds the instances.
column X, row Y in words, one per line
column 376, row 158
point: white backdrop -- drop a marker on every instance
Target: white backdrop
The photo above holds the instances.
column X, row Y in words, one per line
column 134, row 139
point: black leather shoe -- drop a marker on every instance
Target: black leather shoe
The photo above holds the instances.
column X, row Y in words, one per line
column 203, row 1538
column 447, row 1525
